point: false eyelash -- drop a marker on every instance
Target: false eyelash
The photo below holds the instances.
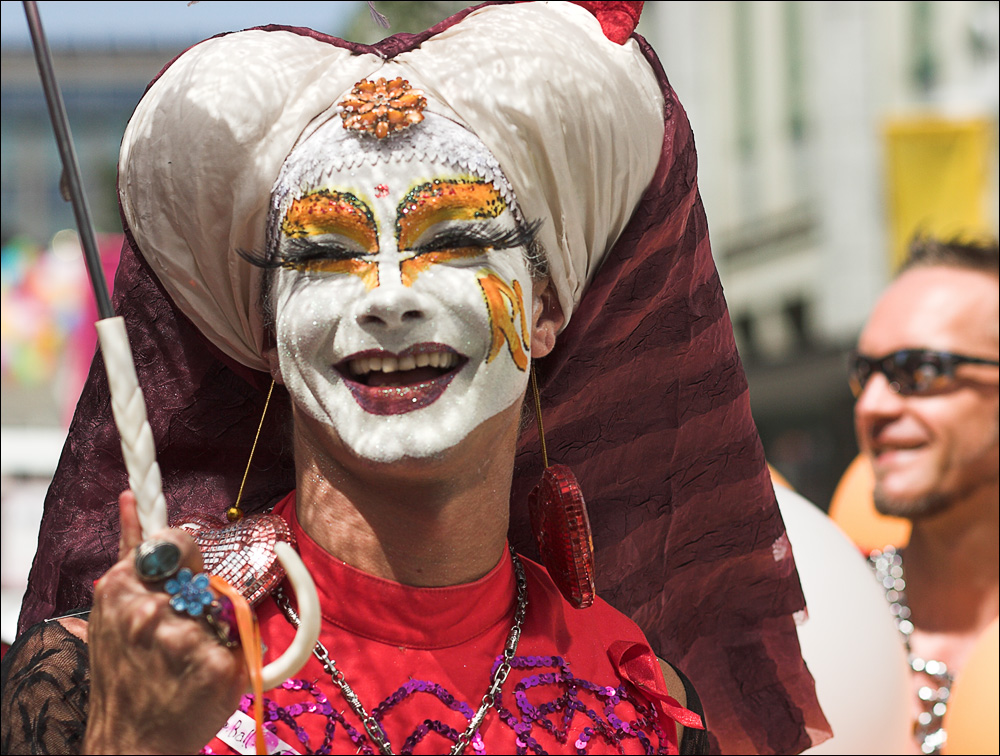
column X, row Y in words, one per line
column 455, row 238
column 301, row 251
column 297, row 252
column 259, row 258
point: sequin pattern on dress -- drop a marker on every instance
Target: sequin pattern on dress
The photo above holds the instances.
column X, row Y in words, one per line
column 546, row 702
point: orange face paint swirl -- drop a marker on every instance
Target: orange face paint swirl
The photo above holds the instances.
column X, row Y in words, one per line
column 498, row 295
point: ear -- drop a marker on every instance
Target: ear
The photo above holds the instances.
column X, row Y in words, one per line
column 546, row 317
column 271, row 355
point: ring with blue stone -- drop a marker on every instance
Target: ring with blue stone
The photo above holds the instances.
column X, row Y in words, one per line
column 189, row 593
column 157, row 560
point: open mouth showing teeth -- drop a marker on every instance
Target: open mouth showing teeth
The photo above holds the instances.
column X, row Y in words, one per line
column 387, row 384
column 406, row 370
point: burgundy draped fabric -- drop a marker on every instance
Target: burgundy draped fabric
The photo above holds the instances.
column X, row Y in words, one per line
column 644, row 398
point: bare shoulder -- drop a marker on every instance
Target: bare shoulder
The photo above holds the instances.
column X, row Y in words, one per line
column 78, row 627
column 675, row 686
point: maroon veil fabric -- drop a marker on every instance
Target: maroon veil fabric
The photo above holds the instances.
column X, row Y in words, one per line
column 644, row 398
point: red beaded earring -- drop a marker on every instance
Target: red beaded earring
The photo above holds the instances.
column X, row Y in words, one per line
column 560, row 524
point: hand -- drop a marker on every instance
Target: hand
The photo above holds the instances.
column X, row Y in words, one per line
column 160, row 681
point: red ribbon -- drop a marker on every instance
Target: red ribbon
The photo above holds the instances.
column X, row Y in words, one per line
column 637, row 664
column 618, row 19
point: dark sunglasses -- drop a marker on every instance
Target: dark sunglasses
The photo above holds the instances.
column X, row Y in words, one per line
column 911, row 371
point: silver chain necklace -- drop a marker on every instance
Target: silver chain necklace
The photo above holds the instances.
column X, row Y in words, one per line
column 372, row 726
column 888, row 567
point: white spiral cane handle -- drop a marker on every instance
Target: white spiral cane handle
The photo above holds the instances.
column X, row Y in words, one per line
column 129, row 408
column 307, row 632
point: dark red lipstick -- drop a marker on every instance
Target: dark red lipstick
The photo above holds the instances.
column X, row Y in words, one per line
column 400, row 391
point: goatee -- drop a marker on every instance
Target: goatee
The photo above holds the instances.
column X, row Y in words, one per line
column 909, row 508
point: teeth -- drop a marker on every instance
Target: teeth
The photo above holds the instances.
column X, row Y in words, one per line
column 390, row 364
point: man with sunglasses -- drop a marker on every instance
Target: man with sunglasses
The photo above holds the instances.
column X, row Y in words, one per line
column 926, row 380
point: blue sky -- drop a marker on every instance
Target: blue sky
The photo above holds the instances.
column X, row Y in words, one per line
column 164, row 22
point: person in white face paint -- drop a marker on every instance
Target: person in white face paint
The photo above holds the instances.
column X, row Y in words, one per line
column 396, row 235
column 403, row 298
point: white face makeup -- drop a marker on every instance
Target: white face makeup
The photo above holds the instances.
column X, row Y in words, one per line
column 403, row 306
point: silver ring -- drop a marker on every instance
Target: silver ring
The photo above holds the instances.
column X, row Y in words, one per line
column 157, row 560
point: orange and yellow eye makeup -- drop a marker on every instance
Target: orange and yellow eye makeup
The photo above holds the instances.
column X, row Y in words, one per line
column 411, row 267
column 328, row 211
column 438, row 201
column 331, row 212
column 443, row 200
column 341, row 213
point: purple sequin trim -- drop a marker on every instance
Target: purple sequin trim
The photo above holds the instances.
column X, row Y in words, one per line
column 547, row 698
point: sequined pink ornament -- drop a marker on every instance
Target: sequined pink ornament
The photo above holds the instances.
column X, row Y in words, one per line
column 242, row 553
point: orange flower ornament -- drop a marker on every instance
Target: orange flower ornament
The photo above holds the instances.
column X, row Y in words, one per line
column 382, row 107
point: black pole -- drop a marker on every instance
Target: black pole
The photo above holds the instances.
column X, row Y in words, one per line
column 71, row 168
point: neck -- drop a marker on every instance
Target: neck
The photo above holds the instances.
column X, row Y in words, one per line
column 951, row 565
column 419, row 522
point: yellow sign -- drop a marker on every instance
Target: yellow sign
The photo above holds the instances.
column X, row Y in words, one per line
column 938, row 175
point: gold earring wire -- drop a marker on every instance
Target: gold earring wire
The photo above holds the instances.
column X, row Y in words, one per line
column 538, row 415
column 235, row 513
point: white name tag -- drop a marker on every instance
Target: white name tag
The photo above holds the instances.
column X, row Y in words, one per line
column 238, row 733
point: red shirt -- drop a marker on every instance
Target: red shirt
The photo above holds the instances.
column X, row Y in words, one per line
column 421, row 660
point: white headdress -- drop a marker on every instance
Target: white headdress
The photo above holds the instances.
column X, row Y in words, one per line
column 574, row 120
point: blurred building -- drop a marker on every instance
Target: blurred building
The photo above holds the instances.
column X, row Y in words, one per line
column 827, row 133
column 48, row 311
column 100, row 88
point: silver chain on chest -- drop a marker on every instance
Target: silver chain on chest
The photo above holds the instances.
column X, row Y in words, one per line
column 371, row 725
column 928, row 730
